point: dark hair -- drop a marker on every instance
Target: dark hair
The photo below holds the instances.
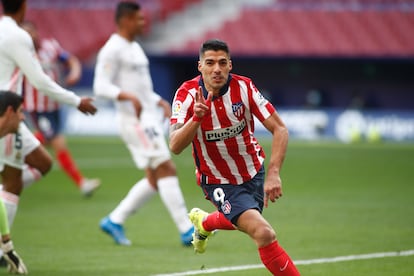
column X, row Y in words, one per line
column 125, row 8
column 215, row 45
column 8, row 98
column 12, row 6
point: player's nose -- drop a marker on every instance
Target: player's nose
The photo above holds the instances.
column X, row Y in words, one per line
column 216, row 67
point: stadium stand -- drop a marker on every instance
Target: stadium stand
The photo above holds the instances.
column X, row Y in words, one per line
column 83, row 26
column 341, row 28
column 318, row 28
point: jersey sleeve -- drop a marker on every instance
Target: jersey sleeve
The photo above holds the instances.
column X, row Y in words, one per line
column 182, row 106
column 259, row 105
column 23, row 53
column 105, row 71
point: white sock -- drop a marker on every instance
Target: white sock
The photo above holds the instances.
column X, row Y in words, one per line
column 30, row 175
column 172, row 197
column 11, row 201
column 140, row 193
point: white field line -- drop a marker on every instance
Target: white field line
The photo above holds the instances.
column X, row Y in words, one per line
column 299, row 262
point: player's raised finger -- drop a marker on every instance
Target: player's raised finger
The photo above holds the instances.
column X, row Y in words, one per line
column 200, row 97
column 266, row 200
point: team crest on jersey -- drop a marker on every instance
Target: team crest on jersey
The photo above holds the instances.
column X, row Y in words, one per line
column 18, row 156
column 176, row 108
column 226, row 207
column 238, row 109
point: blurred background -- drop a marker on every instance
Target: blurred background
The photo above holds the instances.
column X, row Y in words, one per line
column 335, row 69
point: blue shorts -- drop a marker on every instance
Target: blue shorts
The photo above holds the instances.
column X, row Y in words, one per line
column 48, row 123
column 233, row 200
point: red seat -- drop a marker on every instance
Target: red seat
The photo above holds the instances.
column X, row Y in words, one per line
column 319, row 32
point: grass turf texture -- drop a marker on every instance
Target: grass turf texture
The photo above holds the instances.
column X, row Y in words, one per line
column 338, row 200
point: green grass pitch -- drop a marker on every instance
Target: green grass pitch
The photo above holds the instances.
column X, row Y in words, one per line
column 338, row 200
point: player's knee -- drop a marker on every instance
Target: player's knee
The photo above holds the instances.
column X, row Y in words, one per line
column 167, row 169
column 172, row 169
column 264, row 235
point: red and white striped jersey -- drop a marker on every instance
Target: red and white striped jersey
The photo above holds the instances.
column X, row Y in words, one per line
column 50, row 55
column 225, row 150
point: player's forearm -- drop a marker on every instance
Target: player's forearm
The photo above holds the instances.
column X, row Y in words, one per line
column 105, row 89
column 102, row 83
column 163, row 103
column 126, row 96
column 75, row 70
column 279, row 147
column 182, row 135
column 47, row 86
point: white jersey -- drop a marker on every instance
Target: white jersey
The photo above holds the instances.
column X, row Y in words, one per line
column 18, row 58
column 123, row 66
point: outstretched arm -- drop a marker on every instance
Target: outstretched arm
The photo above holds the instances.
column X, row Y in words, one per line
column 22, row 53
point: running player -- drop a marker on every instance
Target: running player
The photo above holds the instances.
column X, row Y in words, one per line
column 44, row 112
column 215, row 113
column 122, row 75
column 18, row 57
column 11, row 114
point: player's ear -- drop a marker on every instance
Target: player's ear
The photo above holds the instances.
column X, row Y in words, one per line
column 9, row 111
column 230, row 65
column 199, row 66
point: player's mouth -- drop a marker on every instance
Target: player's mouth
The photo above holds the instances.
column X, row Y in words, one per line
column 218, row 79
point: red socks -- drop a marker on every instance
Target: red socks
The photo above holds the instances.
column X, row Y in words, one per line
column 69, row 166
column 217, row 220
column 274, row 257
column 277, row 260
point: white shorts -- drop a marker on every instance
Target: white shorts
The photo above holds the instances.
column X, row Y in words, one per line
column 146, row 143
column 15, row 147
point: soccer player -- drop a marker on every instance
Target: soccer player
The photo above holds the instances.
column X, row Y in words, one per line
column 11, row 114
column 44, row 112
column 122, row 75
column 215, row 113
column 18, row 58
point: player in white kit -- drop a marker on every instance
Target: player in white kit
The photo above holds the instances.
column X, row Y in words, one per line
column 11, row 114
column 122, row 75
column 18, row 58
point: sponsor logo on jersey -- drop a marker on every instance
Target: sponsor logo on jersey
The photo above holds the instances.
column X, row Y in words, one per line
column 225, row 133
column 238, row 109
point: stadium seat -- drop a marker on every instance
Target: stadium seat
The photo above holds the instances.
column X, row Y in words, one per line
column 318, row 32
column 284, row 27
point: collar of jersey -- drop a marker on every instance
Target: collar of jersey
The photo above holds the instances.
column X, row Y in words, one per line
column 223, row 90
